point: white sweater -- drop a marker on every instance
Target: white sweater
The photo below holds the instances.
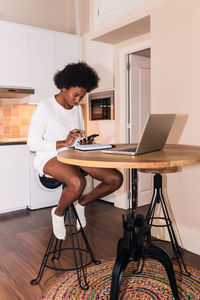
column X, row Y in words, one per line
column 50, row 123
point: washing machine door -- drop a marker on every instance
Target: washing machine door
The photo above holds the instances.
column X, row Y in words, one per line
column 49, row 183
column 44, row 192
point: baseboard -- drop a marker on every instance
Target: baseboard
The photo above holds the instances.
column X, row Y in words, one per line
column 13, row 209
column 42, row 204
column 188, row 239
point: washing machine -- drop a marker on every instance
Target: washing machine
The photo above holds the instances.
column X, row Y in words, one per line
column 44, row 191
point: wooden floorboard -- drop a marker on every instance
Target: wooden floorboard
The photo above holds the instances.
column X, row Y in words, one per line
column 23, row 240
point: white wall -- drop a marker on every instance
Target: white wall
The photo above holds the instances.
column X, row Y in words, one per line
column 175, row 38
column 100, row 57
column 84, row 16
column 175, row 64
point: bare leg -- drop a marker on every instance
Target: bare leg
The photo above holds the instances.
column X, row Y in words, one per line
column 73, row 178
column 111, row 180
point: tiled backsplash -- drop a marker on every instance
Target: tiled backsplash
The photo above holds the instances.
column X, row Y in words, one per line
column 14, row 118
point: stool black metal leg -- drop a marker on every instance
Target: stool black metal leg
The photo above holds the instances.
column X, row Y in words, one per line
column 151, row 209
column 57, row 250
column 96, row 262
column 176, row 248
column 79, row 270
column 170, row 227
column 44, row 261
column 159, row 198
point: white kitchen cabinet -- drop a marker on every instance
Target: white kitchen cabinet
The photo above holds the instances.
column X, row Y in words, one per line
column 42, row 62
column 50, row 51
column 14, row 178
column 30, row 56
column 107, row 12
column 104, row 12
column 14, row 57
column 68, row 49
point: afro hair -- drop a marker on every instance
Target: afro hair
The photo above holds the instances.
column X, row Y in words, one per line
column 77, row 75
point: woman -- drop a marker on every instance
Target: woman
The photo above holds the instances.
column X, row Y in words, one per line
column 57, row 123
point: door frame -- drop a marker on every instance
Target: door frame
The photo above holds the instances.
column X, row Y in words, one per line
column 124, row 52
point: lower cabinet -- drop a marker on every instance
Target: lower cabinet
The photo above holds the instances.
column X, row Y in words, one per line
column 14, row 178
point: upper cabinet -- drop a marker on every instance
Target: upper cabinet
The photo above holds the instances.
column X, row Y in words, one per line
column 68, row 49
column 14, row 54
column 107, row 12
column 30, row 56
column 50, row 51
column 42, row 62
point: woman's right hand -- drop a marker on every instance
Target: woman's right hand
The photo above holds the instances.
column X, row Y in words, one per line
column 72, row 135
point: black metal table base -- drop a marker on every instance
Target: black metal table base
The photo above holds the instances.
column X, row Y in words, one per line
column 132, row 247
column 136, row 245
column 157, row 198
column 55, row 247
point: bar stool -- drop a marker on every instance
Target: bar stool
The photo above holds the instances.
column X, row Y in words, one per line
column 158, row 198
column 73, row 243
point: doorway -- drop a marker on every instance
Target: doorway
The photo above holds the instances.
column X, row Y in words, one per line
column 138, row 108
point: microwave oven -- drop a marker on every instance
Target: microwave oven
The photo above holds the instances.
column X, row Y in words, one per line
column 101, row 105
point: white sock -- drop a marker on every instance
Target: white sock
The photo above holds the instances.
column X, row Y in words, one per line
column 58, row 223
column 81, row 214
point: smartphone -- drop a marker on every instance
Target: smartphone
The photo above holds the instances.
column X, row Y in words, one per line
column 92, row 136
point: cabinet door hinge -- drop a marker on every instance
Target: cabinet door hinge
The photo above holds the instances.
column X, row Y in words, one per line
column 128, row 66
column 98, row 12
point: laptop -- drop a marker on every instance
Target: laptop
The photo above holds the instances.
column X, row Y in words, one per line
column 154, row 136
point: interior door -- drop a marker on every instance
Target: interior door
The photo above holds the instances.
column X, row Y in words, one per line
column 139, row 108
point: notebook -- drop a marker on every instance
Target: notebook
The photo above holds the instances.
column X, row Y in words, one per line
column 92, row 147
column 154, row 136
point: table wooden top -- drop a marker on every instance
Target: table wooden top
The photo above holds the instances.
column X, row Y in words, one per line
column 170, row 156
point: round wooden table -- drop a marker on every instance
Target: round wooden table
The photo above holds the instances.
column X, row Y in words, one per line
column 170, row 156
column 166, row 160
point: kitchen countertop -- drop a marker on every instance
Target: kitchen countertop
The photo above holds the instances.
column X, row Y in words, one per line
column 13, row 141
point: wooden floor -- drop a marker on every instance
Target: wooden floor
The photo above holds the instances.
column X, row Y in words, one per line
column 23, row 240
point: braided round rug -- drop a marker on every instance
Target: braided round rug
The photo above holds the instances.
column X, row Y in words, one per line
column 152, row 283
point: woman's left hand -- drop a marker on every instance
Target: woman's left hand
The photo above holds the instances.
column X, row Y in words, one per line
column 86, row 140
